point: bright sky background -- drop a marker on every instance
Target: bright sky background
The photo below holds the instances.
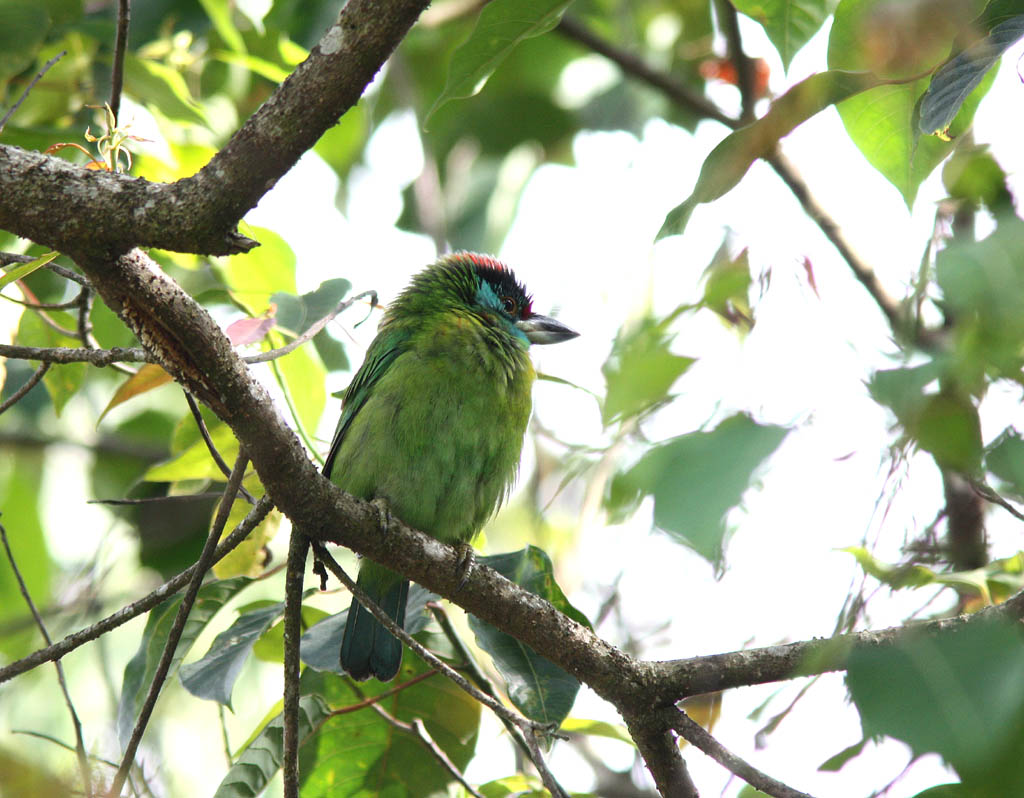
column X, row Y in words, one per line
column 583, row 243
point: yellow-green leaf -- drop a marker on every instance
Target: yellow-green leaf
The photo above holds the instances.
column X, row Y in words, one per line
column 147, row 378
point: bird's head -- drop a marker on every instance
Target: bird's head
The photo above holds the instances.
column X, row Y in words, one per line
column 466, row 282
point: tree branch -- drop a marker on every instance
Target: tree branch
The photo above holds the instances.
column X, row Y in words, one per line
column 67, row 207
column 697, row 736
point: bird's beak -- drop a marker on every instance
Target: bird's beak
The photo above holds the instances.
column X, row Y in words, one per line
column 545, row 330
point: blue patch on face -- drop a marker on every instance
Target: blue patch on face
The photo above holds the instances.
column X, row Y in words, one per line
column 487, row 298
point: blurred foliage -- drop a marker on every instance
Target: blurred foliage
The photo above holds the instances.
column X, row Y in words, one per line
column 485, row 83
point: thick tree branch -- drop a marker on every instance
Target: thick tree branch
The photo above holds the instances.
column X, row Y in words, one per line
column 67, row 207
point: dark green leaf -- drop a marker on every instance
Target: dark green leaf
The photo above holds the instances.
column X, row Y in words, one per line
column 959, row 76
column 501, row 26
column 138, row 673
column 213, row 676
column 298, row 314
column 537, row 687
column 23, row 26
column 959, row 695
column 790, row 24
column 972, row 174
column 697, row 478
column 729, row 161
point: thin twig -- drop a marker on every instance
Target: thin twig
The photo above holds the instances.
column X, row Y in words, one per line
column 136, row 608
column 676, row 91
column 388, row 623
column 685, row 97
column 224, row 733
column 273, row 354
column 30, row 86
column 699, row 738
column 348, row 709
column 298, row 547
column 83, row 758
column 67, row 274
column 30, row 383
column 729, row 22
column 203, row 564
column 419, row 732
column 64, row 354
column 120, row 45
column 210, row 446
column 474, row 671
column 864, row 273
column 986, row 492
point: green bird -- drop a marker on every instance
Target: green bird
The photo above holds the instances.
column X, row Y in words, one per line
column 433, row 423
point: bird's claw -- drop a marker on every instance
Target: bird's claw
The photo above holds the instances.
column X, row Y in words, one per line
column 383, row 513
column 464, row 564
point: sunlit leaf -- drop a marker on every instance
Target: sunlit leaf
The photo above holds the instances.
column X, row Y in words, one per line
column 727, row 163
column 250, row 557
column 24, row 269
column 148, row 377
column 163, row 88
column 219, row 12
column 790, row 24
column 539, row 689
column 63, row 380
column 256, row 276
column 905, row 42
column 641, row 368
column 501, row 26
column 195, row 461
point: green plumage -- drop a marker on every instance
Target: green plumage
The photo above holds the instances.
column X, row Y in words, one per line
column 433, row 422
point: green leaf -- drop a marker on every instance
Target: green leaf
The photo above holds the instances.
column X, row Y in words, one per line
column 161, row 87
column 23, row 27
column 21, row 476
column 304, row 378
column 138, row 673
column 983, row 284
column 342, row 144
column 895, row 576
column 641, row 369
column 219, row 12
column 949, row 428
column 358, row 753
column 959, row 695
column 256, row 276
column 902, row 389
column 958, row 77
column 727, row 288
column 1005, row 459
column 727, row 163
column 696, row 479
column 195, row 461
column 879, row 36
column 790, row 24
column 261, row 757
column 63, row 380
column 501, row 25
column 25, row 269
column 835, row 762
column 537, row 687
column 213, row 676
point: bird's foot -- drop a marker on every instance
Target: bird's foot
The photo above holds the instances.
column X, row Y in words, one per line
column 383, row 513
column 464, row 565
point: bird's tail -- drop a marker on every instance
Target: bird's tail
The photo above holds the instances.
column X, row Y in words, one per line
column 368, row 649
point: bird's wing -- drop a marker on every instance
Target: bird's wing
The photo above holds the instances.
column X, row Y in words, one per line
column 382, row 353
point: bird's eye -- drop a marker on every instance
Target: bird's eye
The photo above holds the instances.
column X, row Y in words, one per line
column 509, row 305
